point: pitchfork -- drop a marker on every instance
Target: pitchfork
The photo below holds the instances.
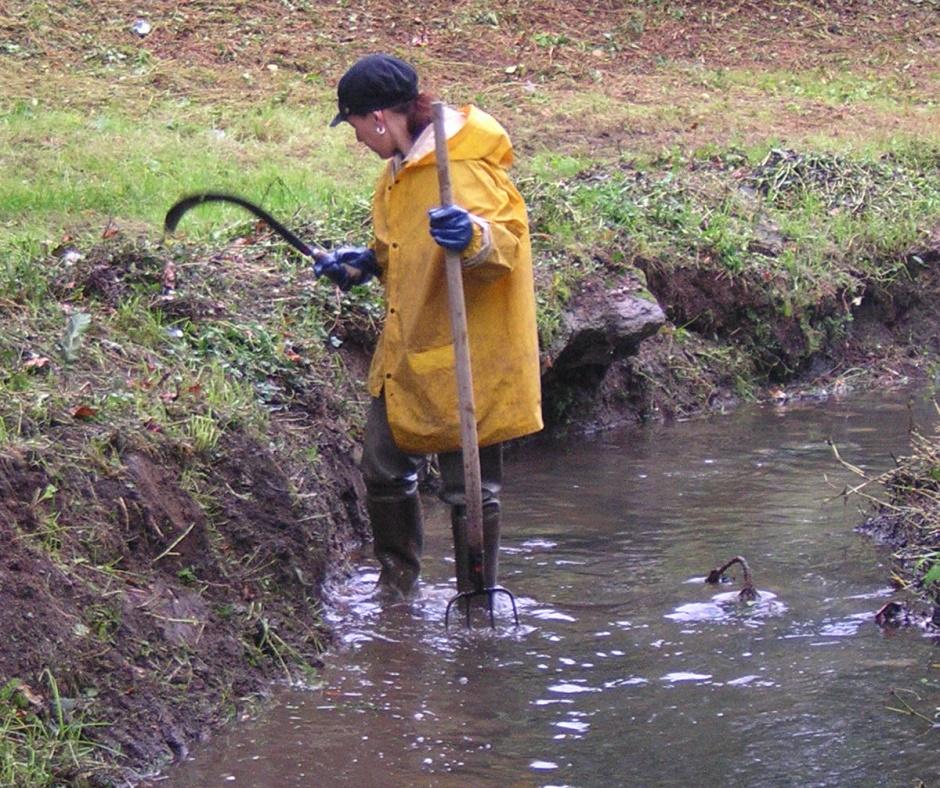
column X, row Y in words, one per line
column 468, row 423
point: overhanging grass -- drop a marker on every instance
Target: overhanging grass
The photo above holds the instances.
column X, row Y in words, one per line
column 831, row 206
column 842, row 221
column 74, row 170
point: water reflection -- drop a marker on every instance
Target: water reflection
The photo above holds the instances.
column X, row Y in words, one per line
column 627, row 669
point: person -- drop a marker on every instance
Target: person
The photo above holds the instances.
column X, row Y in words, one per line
column 414, row 410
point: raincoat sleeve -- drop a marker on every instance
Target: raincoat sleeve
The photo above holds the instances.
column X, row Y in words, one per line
column 486, row 192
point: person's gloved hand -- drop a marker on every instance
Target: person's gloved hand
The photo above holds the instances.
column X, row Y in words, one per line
column 451, row 227
column 347, row 266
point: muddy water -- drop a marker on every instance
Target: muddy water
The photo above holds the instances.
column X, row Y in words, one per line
column 627, row 669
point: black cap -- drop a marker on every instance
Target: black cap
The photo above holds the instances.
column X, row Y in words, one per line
column 375, row 82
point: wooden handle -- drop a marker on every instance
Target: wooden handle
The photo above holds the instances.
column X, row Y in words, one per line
column 458, row 322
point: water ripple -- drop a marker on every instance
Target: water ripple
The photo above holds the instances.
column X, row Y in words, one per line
column 680, row 676
column 726, row 607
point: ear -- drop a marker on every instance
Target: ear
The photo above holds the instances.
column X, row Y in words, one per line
column 378, row 116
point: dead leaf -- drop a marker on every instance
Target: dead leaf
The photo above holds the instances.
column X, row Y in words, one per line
column 171, row 396
column 110, row 230
column 37, row 362
column 30, row 695
column 84, row 412
column 169, row 277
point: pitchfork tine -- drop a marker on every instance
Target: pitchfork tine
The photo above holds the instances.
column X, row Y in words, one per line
column 490, row 594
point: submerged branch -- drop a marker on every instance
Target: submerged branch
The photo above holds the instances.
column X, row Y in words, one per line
column 747, row 593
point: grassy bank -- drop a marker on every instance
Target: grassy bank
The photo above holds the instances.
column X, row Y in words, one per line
column 906, row 514
column 43, row 749
column 796, row 226
column 903, row 511
column 799, row 225
column 178, row 421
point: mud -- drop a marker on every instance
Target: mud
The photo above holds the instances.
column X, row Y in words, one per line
column 142, row 622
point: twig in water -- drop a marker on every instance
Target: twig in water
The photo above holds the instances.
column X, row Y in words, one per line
column 747, row 593
column 908, row 710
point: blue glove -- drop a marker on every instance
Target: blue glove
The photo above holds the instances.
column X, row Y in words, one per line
column 451, row 227
column 347, row 266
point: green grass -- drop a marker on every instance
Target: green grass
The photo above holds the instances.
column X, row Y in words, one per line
column 72, row 170
column 829, row 86
column 38, row 749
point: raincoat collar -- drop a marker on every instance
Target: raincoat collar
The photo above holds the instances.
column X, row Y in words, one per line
column 454, row 121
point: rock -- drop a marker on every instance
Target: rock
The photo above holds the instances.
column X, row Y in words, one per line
column 602, row 324
column 768, row 240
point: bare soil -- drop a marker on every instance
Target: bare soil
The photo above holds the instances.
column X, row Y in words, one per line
column 646, row 56
column 162, row 643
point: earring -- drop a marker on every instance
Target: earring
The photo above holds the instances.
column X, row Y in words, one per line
column 380, row 129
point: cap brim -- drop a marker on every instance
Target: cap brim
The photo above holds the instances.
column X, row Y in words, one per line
column 340, row 117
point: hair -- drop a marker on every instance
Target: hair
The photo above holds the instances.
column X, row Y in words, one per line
column 417, row 111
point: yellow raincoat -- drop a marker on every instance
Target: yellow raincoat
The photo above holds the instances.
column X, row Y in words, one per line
column 414, row 359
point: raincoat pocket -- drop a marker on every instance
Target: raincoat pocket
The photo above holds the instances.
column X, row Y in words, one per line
column 424, row 362
column 424, row 417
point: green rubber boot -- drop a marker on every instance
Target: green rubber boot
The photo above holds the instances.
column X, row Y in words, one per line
column 398, row 537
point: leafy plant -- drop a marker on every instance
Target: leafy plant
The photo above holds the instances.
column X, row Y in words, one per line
column 932, row 575
column 71, row 341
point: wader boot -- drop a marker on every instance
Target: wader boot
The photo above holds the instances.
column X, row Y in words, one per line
column 458, row 519
column 398, row 537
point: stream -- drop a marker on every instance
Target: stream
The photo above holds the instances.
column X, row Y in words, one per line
column 627, row 669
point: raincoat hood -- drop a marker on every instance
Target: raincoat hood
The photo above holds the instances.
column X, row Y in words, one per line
column 471, row 135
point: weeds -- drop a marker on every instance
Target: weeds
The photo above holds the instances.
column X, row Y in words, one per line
column 264, row 642
column 908, row 498
column 41, row 749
